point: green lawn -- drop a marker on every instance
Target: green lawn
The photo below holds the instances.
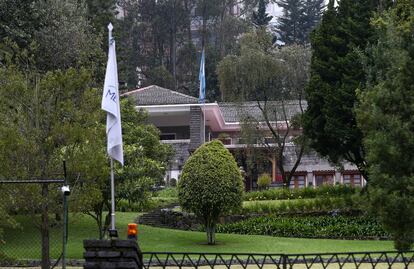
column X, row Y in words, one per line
column 24, row 243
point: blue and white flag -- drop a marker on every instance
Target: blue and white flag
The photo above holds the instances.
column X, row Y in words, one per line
column 110, row 103
column 202, row 79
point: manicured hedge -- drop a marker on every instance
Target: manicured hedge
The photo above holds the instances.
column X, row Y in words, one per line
column 301, row 206
column 309, row 227
column 283, row 194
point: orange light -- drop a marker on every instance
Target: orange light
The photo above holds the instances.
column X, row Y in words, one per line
column 132, row 230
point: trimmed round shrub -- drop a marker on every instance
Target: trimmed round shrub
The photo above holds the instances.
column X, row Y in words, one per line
column 210, row 185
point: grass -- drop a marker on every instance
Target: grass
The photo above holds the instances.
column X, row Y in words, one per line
column 24, row 243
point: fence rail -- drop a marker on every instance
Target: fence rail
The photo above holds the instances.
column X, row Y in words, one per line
column 345, row 260
column 362, row 260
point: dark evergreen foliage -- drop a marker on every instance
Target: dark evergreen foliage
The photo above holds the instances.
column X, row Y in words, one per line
column 336, row 74
column 312, row 11
column 19, row 20
column 385, row 117
column 299, row 18
column 101, row 13
column 290, row 24
column 261, row 18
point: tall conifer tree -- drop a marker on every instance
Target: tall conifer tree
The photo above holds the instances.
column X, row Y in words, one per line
column 336, row 74
column 384, row 115
column 299, row 18
column 290, row 23
column 261, row 18
column 312, row 11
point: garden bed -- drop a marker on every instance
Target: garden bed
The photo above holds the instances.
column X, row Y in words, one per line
column 304, row 193
column 333, row 227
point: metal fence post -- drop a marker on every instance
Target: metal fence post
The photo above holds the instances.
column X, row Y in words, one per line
column 284, row 261
column 65, row 218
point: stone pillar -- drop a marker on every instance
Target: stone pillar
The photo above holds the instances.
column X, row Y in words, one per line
column 196, row 127
column 309, row 179
column 338, row 178
column 273, row 160
column 112, row 254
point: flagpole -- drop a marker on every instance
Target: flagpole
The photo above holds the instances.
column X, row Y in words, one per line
column 204, row 117
column 202, row 93
column 112, row 232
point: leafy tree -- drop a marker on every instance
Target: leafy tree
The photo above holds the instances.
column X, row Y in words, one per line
column 160, row 76
column 57, row 117
column 69, row 35
column 44, row 29
column 385, row 118
column 42, row 120
column 101, row 13
column 336, row 73
column 6, row 221
column 19, row 20
column 273, row 79
column 210, row 185
column 261, row 18
column 146, row 157
column 145, row 161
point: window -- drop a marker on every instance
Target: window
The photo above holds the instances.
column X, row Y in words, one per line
column 226, row 141
column 324, row 179
column 167, row 136
column 297, row 182
column 352, row 179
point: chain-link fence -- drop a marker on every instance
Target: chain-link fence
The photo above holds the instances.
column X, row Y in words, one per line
column 31, row 222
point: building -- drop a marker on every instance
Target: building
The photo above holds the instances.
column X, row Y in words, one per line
column 180, row 119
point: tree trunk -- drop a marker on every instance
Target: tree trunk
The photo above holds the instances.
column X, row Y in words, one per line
column 211, row 232
column 44, row 229
column 99, row 223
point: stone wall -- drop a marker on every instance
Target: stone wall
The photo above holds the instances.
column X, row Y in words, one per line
column 196, row 127
column 112, row 254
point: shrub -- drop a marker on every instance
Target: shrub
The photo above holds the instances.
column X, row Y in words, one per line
column 173, row 182
column 125, row 206
column 308, row 227
column 210, row 185
column 263, row 182
column 167, row 193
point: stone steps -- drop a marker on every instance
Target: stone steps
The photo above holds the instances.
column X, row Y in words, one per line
column 154, row 217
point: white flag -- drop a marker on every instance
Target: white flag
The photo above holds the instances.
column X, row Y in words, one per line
column 110, row 103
